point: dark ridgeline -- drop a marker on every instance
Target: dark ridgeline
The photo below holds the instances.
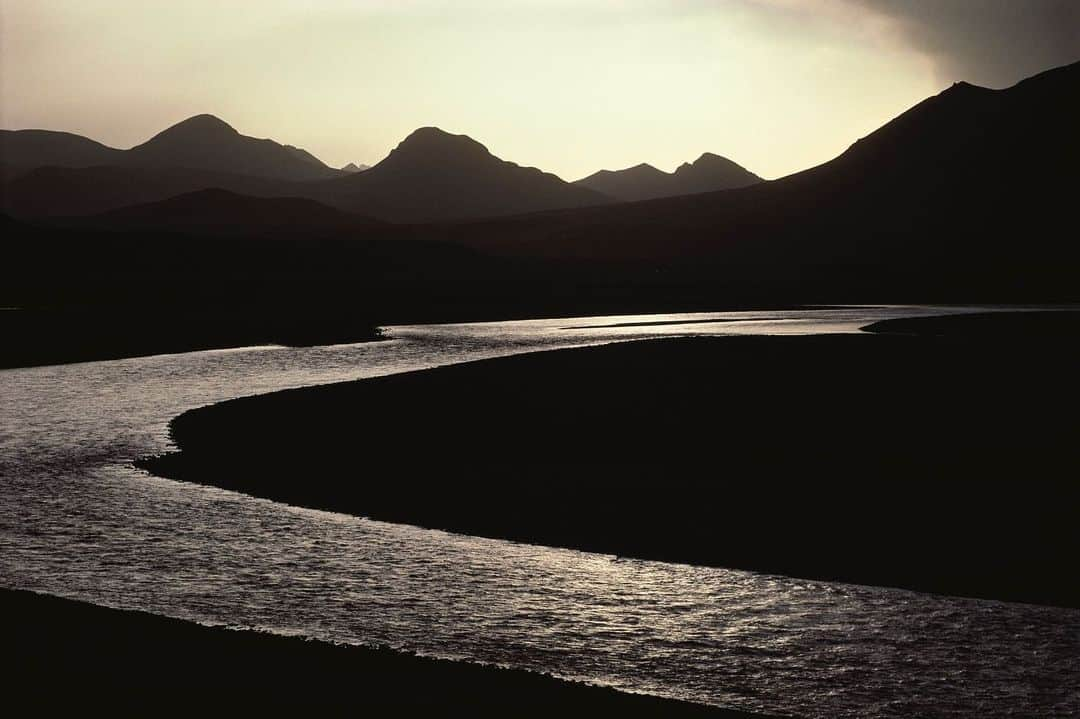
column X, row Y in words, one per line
column 939, row 456
column 203, row 142
column 433, row 175
column 220, row 212
column 708, row 173
column 967, row 195
column 353, row 167
column 50, row 174
column 938, row 196
column 46, row 193
column 24, row 150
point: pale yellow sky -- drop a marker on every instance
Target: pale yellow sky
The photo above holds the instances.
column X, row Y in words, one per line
column 568, row 86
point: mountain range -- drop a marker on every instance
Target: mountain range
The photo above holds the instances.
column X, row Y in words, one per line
column 967, row 196
column 644, row 182
column 967, row 177
column 431, row 176
column 202, row 142
column 220, row 212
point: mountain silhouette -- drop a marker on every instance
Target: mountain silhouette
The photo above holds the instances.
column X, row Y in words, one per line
column 433, row 175
column 971, row 188
column 205, row 142
column 644, row 182
column 51, row 192
column 967, row 196
column 217, row 211
column 353, row 167
column 23, row 150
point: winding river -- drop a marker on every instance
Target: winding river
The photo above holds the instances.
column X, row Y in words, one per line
column 77, row 520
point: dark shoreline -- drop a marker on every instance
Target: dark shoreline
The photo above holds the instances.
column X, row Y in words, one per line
column 68, row 655
column 1040, row 326
column 34, row 338
column 935, row 463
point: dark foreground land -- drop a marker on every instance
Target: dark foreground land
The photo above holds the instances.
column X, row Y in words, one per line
column 69, row 655
column 938, row 455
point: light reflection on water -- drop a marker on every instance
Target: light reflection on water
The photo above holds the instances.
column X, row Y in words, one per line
column 78, row 521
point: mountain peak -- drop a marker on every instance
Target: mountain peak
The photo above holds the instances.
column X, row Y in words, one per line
column 434, row 139
column 206, row 142
column 200, row 125
column 642, row 168
column 732, row 173
column 644, row 182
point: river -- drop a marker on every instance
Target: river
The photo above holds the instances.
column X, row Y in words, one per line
column 78, row 521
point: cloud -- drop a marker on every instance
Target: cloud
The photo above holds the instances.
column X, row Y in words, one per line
column 988, row 42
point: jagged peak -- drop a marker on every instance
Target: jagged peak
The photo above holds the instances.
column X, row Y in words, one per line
column 963, row 88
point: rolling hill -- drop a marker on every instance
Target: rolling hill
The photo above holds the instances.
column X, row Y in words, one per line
column 220, row 212
column 51, row 192
column 23, row 150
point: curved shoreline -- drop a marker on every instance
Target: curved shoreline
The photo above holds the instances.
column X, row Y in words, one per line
column 592, row 478
column 34, row 338
column 77, row 655
column 1029, row 325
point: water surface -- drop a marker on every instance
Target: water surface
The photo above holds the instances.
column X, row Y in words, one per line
column 78, row 521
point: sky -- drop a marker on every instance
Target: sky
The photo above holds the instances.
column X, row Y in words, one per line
column 571, row 86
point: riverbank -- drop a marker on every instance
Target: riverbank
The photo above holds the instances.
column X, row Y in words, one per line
column 37, row 337
column 71, row 655
column 44, row 337
column 942, row 463
column 1056, row 327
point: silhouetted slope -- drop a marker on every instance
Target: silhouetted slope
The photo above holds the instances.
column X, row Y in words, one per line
column 51, row 174
column 643, row 182
column 711, row 172
column 640, row 182
column 430, row 176
column 433, row 175
column 205, row 142
column 966, row 197
column 66, row 192
column 972, row 185
column 217, row 211
column 22, row 150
